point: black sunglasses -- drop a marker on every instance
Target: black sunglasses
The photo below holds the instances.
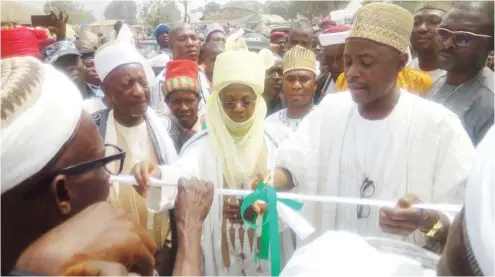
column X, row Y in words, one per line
column 94, row 164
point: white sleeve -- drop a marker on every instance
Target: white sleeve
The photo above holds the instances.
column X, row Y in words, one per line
column 300, row 151
column 187, row 166
column 455, row 159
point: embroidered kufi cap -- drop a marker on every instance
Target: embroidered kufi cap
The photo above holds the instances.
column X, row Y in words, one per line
column 299, row 58
column 444, row 6
column 384, row 23
column 181, row 75
column 40, row 109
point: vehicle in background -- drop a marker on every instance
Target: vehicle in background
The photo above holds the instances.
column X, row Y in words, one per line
column 148, row 48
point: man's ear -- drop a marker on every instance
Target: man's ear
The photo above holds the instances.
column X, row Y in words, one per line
column 403, row 59
column 61, row 193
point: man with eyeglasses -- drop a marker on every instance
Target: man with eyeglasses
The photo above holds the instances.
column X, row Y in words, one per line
column 298, row 86
column 133, row 126
column 378, row 142
column 466, row 35
column 427, row 16
column 53, row 159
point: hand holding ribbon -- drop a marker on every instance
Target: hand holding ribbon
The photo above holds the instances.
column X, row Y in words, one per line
column 270, row 236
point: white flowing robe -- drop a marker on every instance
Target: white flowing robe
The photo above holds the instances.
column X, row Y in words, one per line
column 197, row 159
column 421, row 148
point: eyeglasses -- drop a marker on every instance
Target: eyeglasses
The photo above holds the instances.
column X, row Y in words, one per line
column 458, row 38
column 105, row 162
column 113, row 164
column 235, row 104
column 367, row 190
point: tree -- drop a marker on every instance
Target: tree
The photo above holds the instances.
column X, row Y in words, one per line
column 75, row 10
column 155, row 12
column 312, row 9
column 281, row 8
column 186, row 5
column 117, row 10
column 212, row 7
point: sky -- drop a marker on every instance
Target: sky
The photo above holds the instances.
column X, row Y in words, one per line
column 98, row 6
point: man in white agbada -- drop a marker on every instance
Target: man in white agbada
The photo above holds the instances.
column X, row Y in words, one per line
column 134, row 127
column 470, row 246
column 97, row 104
column 469, row 250
column 378, row 142
column 298, row 85
column 235, row 150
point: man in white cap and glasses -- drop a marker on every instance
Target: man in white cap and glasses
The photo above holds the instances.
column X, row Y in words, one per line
column 378, row 142
column 133, row 126
column 53, row 167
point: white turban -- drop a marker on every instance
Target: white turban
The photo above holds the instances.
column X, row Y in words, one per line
column 117, row 53
column 340, row 253
column 479, row 206
column 41, row 109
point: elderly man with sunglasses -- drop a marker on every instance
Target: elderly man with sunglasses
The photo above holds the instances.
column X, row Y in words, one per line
column 52, row 155
column 55, row 182
column 466, row 36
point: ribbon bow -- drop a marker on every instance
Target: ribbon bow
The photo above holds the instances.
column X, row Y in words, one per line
column 270, row 236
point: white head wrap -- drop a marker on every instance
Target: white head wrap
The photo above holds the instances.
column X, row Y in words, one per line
column 40, row 111
column 479, row 204
column 237, row 145
column 334, row 38
column 117, row 53
column 341, row 253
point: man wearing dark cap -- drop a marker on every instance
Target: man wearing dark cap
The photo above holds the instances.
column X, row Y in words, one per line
column 215, row 32
column 165, row 53
column 278, row 39
column 64, row 56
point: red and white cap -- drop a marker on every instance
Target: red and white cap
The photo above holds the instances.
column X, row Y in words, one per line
column 335, row 35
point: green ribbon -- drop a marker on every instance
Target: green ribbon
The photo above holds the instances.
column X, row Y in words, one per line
column 270, row 236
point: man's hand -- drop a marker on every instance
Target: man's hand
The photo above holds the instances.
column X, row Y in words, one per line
column 193, row 200
column 97, row 268
column 98, row 233
column 59, row 27
column 403, row 219
column 142, row 172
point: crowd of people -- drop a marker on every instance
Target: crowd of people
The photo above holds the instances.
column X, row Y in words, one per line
column 396, row 107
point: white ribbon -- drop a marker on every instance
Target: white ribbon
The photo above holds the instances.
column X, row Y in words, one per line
column 129, row 180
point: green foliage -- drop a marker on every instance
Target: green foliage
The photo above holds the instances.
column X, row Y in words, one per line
column 156, row 12
column 75, row 10
column 308, row 9
column 212, row 7
column 118, row 10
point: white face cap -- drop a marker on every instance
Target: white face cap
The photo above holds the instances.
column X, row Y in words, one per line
column 333, row 38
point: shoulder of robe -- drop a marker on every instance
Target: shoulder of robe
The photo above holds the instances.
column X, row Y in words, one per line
column 198, row 138
column 336, row 100
column 434, row 115
column 100, row 117
column 276, row 132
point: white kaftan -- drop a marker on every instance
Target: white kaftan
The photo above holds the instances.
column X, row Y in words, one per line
column 281, row 117
column 197, row 159
column 421, row 148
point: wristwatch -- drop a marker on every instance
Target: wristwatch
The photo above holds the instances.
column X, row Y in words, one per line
column 435, row 230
